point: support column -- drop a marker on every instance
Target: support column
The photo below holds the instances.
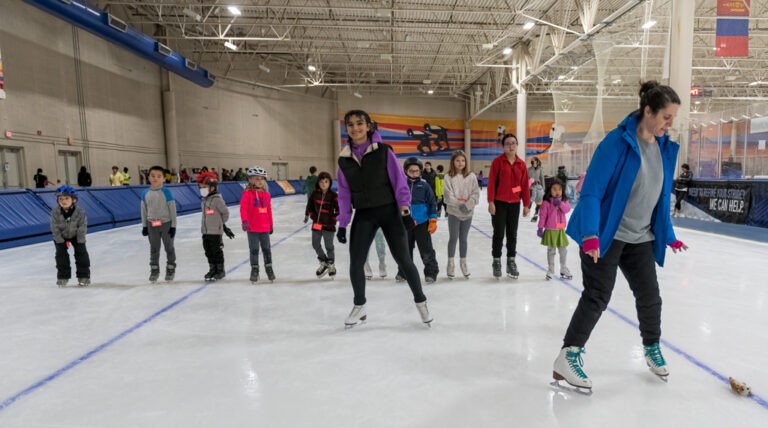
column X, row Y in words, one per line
column 522, row 114
column 468, row 142
column 170, row 129
column 681, row 60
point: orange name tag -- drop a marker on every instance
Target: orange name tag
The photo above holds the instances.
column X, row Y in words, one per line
column 262, row 210
column 561, row 225
column 210, row 211
column 317, row 226
column 516, row 189
column 156, row 223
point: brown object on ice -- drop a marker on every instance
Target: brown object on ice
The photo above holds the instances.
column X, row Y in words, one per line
column 740, row 388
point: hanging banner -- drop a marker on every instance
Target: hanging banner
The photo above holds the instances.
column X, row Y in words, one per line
column 2, row 81
column 733, row 7
column 726, row 201
column 732, row 37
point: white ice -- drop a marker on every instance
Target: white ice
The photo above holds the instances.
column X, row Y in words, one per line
column 233, row 354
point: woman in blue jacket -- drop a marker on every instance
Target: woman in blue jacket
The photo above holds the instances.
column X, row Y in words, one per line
column 622, row 221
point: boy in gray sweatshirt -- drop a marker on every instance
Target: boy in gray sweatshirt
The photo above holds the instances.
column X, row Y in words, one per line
column 158, row 220
column 215, row 215
column 68, row 226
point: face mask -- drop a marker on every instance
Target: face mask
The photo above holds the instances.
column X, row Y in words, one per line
column 203, row 191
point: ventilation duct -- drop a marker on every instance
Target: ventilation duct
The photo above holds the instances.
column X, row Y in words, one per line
column 106, row 26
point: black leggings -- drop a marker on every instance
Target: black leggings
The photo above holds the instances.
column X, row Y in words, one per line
column 679, row 198
column 364, row 226
column 505, row 220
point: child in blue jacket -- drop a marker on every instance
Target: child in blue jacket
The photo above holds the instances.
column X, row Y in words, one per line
column 424, row 213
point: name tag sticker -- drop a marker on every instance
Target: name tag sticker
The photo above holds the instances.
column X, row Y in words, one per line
column 156, row 223
column 317, row 226
column 210, row 211
column 262, row 210
column 561, row 225
column 516, row 189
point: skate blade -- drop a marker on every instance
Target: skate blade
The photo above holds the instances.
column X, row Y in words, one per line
column 512, row 276
column 567, row 387
column 368, row 278
column 663, row 378
column 360, row 322
column 321, row 275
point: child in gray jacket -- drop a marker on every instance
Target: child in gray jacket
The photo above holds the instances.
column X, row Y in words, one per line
column 68, row 226
column 215, row 214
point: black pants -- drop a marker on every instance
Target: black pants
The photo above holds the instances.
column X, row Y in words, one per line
column 505, row 220
column 364, row 226
column 420, row 236
column 82, row 261
column 214, row 249
column 638, row 266
column 679, row 197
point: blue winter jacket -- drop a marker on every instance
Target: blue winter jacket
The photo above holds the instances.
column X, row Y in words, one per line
column 423, row 201
column 605, row 192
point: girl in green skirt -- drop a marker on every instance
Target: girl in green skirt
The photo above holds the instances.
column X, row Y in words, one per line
column 552, row 228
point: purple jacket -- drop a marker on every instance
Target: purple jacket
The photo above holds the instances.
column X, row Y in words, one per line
column 552, row 217
column 396, row 177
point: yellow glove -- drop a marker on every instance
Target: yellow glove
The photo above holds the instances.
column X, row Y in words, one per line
column 432, row 225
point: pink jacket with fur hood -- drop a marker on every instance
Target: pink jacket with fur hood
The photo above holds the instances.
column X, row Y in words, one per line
column 552, row 217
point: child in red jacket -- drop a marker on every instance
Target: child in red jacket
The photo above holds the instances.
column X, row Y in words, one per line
column 256, row 215
column 323, row 208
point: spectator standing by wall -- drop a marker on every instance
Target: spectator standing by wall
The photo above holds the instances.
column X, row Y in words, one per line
column 84, row 177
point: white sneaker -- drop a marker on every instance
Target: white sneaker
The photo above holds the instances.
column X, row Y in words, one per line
column 568, row 366
column 451, row 269
column 368, row 271
column 356, row 317
column 464, row 268
column 424, row 313
column 655, row 360
column 382, row 269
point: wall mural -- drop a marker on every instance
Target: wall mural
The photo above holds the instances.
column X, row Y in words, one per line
column 437, row 138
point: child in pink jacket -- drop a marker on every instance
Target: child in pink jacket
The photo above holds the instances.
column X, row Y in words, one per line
column 552, row 223
column 256, row 215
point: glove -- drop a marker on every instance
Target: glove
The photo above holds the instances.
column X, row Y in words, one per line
column 228, row 232
column 145, row 231
column 678, row 246
column 245, row 226
column 172, row 232
column 432, row 226
column 540, row 232
column 408, row 222
column 306, row 219
column 341, row 235
column 556, row 201
column 67, row 243
column 463, row 208
column 591, row 244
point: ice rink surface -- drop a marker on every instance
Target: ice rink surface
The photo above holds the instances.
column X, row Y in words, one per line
column 124, row 353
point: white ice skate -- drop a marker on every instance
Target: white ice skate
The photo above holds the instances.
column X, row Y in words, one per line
column 565, row 273
column 464, row 268
column 450, row 270
column 568, row 367
column 62, row 282
column 322, row 269
column 656, row 362
column 83, row 282
column 356, row 317
column 368, row 271
column 424, row 313
column 382, row 270
column 550, row 274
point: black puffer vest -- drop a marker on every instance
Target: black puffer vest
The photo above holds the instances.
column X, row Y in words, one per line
column 368, row 181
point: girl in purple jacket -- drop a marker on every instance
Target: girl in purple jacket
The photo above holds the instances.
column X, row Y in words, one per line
column 552, row 223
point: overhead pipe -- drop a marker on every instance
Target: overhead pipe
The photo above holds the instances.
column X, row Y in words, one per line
column 113, row 29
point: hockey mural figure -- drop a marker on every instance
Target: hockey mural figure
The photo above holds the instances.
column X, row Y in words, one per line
column 424, row 141
column 440, row 133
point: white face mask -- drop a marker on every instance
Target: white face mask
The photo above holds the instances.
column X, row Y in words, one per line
column 203, row 191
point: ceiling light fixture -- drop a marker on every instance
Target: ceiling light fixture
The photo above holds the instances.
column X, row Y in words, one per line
column 264, row 68
column 507, row 51
column 234, row 10
column 230, row 45
column 192, row 14
column 648, row 24
column 431, row 91
column 311, row 67
column 357, row 94
column 528, row 25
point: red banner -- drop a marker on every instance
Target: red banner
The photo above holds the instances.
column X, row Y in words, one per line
column 733, row 7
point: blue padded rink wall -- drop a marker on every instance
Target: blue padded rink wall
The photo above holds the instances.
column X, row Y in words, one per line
column 124, row 353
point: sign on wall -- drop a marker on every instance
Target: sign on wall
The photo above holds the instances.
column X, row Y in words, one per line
column 726, row 201
column 2, row 79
